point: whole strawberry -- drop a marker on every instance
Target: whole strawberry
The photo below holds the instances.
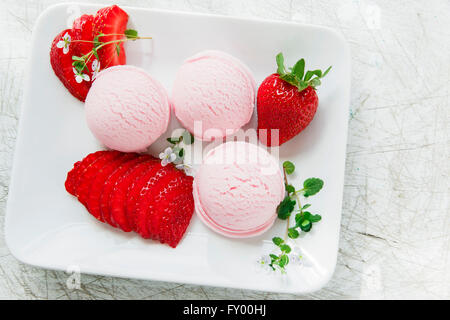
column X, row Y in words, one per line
column 287, row 101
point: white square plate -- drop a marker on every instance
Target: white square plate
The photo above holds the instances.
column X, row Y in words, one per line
column 47, row 227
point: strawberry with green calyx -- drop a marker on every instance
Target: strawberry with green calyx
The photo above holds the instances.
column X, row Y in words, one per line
column 287, row 101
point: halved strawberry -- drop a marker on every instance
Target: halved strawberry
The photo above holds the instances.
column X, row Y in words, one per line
column 93, row 201
column 78, row 168
column 113, row 21
column 83, row 35
column 110, row 183
column 117, row 202
column 61, row 52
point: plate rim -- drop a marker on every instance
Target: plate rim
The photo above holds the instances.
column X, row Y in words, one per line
column 27, row 84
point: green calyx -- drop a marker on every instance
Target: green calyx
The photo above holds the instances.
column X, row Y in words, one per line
column 297, row 76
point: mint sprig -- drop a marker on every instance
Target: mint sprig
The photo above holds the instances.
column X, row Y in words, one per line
column 304, row 220
column 80, row 63
column 280, row 261
column 297, row 76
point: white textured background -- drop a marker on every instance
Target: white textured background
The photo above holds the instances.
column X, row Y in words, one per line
column 395, row 235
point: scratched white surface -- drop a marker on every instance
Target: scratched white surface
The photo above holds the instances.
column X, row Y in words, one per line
column 395, row 233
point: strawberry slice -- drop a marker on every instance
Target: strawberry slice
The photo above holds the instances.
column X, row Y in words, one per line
column 111, row 21
column 161, row 179
column 171, row 211
column 117, row 202
column 175, row 217
column 93, row 201
column 78, row 168
column 61, row 52
column 72, row 175
column 110, row 183
column 158, row 204
column 86, row 179
column 139, row 190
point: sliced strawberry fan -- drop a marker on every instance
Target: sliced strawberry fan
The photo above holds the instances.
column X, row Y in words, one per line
column 134, row 193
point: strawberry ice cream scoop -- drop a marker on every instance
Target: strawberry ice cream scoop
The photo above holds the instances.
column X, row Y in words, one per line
column 237, row 190
column 126, row 109
column 213, row 95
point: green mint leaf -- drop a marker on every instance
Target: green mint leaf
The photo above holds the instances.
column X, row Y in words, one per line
column 131, row 34
column 299, row 69
column 285, row 248
column 306, row 225
column 284, row 260
column 188, row 138
column 298, row 219
column 285, row 208
column 280, row 63
column 277, row 241
column 290, row 188
column 273, row 256
column 312, row 186
column 289, row 167
column 311, row 217
column 293, row 233
column 306, row 206
column 117, row 49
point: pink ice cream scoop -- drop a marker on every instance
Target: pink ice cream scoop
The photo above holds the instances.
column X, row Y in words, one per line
column 126, row 109
column 213, row 95
column 237, row 190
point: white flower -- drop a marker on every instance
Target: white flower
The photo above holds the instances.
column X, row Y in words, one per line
column 297, row 257
column 64, row 43
column 79, row 77
column 167, row 156
column 95, row 68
